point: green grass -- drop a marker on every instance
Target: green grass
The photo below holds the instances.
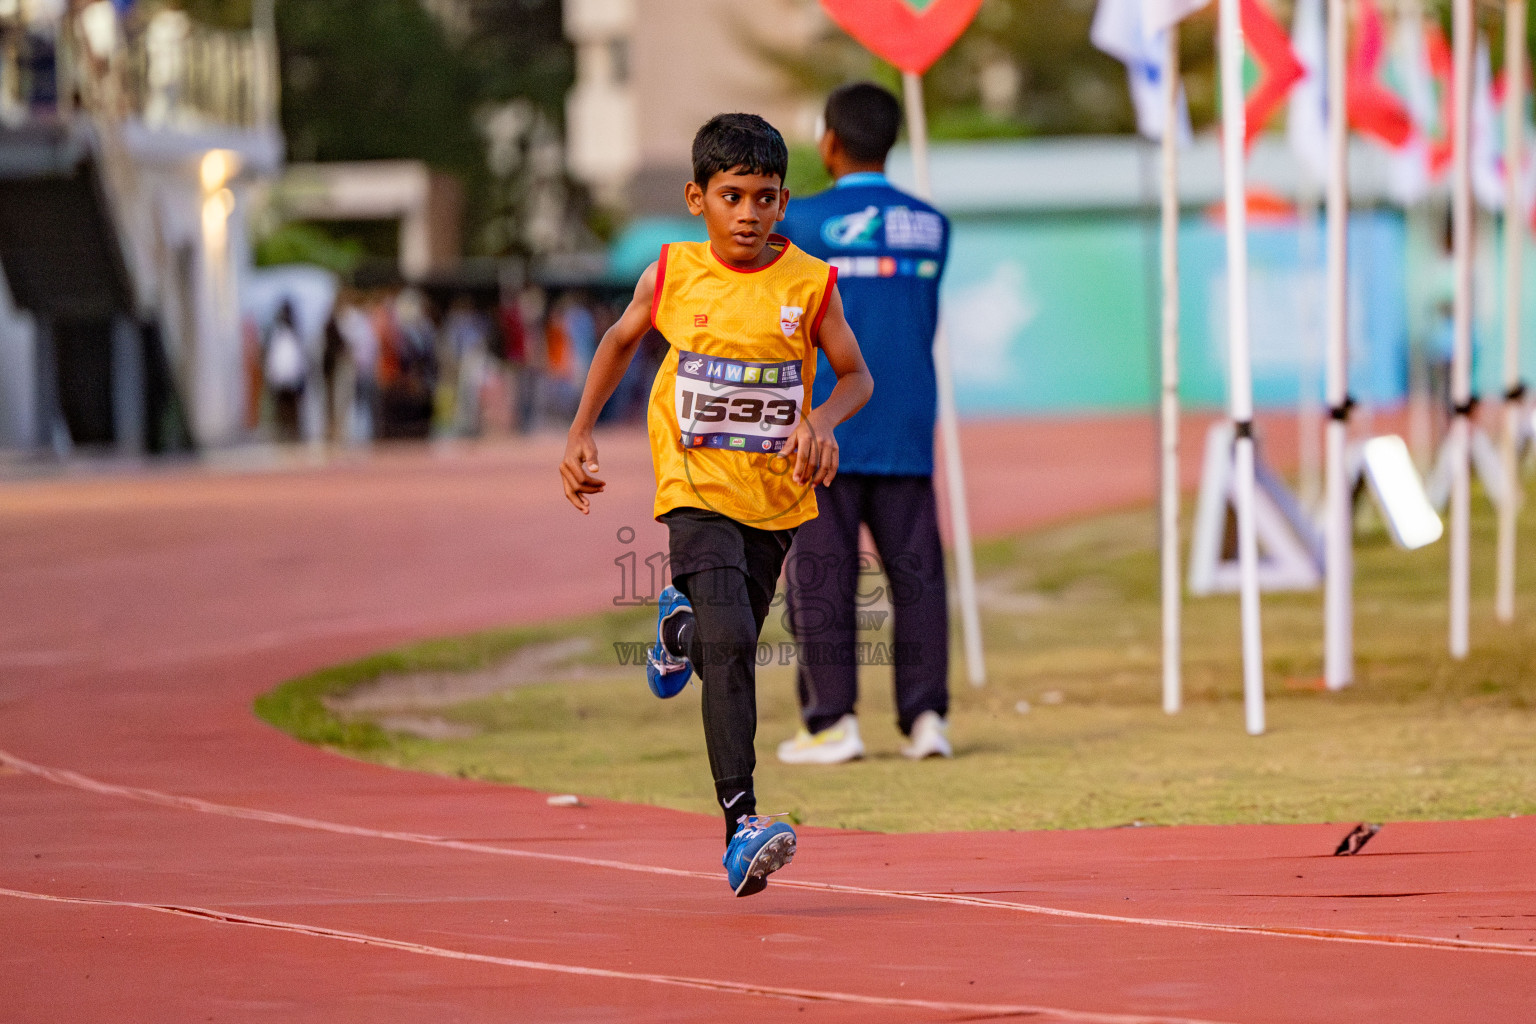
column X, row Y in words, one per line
column 1072, row 628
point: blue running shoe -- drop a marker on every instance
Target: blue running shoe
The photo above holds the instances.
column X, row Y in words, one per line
column 667, row 674
column 759, row 848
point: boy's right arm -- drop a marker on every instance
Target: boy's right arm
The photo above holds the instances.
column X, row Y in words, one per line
column 609, row 363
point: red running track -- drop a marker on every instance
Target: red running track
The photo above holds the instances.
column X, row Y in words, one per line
column 164, row 856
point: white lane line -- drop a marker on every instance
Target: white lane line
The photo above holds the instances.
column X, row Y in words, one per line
column 705, row 984
column 65, row 777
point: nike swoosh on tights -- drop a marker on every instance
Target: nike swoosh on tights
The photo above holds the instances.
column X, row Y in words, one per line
column 728, row 804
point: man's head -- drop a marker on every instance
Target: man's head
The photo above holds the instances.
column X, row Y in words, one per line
column 739, row 163
column 862, row 121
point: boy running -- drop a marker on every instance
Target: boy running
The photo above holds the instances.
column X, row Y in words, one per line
column 737, row 454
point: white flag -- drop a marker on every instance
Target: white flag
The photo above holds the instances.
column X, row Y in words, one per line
column 1122, row 30
column 1487, row 148
column 1306, row 122
column 1161, row 14
column 1409, row 169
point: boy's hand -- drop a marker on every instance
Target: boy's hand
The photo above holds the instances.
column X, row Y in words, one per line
column 576, row 471
column 814, row 447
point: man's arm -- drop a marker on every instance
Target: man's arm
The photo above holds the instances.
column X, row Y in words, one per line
column 813, row 444
column 609, row 363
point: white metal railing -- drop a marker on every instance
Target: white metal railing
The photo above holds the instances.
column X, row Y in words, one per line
column 29, row 78
column 165, row 71
column 186, row 76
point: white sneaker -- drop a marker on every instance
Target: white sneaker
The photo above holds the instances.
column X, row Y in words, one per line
column 929, row 738
column 835, row 744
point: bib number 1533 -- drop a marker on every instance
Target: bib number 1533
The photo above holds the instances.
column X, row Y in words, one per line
column 766, row 413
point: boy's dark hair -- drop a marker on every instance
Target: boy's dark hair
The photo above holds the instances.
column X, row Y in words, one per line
column 866, row 120
column 729, row 142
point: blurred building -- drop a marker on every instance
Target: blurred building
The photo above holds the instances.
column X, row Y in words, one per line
column 427, row 206
column 129, row 148
column 646, row 79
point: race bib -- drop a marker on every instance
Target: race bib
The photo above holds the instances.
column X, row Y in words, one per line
column 749, row 407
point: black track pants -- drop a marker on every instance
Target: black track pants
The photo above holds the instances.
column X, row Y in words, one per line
column 728, row 614
column 729, row 573
column 825, row 596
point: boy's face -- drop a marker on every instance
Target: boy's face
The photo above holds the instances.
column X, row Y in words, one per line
column 739, row 213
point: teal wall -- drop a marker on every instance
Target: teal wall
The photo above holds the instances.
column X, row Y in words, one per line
column 1061, row 313
column 1049, row 313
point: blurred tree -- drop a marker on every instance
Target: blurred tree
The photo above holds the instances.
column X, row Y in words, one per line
column 375, row 79
column 420, row 79
column 518, row 48
column 306, row 243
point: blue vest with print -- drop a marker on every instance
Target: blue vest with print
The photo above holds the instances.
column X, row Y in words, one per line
column 889, row 249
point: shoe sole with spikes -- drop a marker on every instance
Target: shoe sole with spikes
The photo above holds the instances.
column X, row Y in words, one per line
column 776, row 853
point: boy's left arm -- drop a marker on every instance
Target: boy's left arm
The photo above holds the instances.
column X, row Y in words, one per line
column 813, row 444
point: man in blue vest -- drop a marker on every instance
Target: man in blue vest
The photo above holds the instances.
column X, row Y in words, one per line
column 889, row 249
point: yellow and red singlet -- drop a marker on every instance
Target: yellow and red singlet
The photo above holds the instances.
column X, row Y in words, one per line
column 736, row 381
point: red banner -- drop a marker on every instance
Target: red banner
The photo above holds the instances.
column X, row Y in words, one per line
column 1279, row 68
column 1373, row 110
column 910, row 34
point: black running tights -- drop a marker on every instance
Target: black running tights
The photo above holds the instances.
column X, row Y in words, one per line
column 729, row 611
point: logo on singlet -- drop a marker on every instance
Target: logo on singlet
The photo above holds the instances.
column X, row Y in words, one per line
column 789, row 319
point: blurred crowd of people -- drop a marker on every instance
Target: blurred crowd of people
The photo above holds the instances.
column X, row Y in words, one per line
column 408, row 362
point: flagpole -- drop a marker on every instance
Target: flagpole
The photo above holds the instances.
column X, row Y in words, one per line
column 1461, row 358
column 1312, row 181
column 1173, row 696
column 1233, row 143
column 1309, row 401
column 1514, row 250
column 949, row 427
column 1338, row 532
